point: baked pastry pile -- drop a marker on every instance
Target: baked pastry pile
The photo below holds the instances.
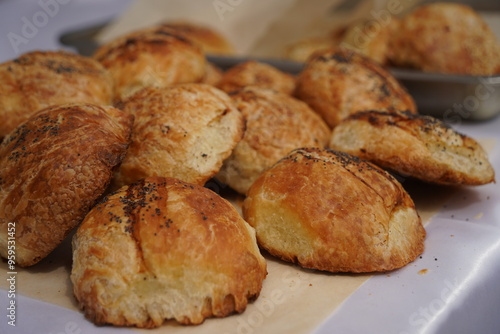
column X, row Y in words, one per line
column 437, row 37
column 153, row 244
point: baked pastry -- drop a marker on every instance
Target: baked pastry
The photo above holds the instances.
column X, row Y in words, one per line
column 151, row 58
column 39, row 79
column 302, row 49
column 53, row 168
column 331, row 211
column 183, row 131
column 207, row 38
column 213, row 74
column 258, row 74
column 414, row 145
column 338, row 82
column 164, row 249
column 276, row 123
column 371, row 40
column 446, row 38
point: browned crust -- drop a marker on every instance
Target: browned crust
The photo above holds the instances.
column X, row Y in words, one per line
column 347, row 214
column 155, row 56
column 184, row 131
column 414, row 145
column 207, row 38
column 338, row 82
column 257, row 74
column 53, row 168
column 276, row 123
column 199, row 256
column 446, row 38
column 40, row 79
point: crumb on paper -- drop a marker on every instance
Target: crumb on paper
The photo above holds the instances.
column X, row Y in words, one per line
column 478, row 216
column 452, row 235
column 423, row 271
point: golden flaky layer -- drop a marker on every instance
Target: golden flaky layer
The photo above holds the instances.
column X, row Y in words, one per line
column 372, row 42
column 207, row 38
column 152, row 57
column 446, row 38
column 39, row 79
column 256, row 74
column 338, row 82
column 164, row 249
column 213, row 75
column 276, row 123
column 183, row 131
column 414, row 145
column 331, row 211
column 53, row 168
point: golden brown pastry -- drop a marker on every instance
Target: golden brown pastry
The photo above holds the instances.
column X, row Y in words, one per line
column 257, row 74
column 371, row 40
column 53, row 168
column 414, row 145
column 39, row 79
column 338, row 82
column 213, row 75
column 301, row 50
column 276, row 123
column 151, row 58
column 183, row 131
column 446, row 38
column 164, row 249
column 207, row 38
column 331, row 211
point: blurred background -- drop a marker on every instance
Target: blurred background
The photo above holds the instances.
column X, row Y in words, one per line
column 27, row 25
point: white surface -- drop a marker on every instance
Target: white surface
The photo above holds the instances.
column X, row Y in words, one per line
column 38, row 27
column 458, row 294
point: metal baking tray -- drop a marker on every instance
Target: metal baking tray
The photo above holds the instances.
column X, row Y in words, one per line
column 454, row 98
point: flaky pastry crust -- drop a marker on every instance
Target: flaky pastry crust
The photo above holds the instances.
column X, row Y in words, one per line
column 183, row 131
column 331, row 211
column 53, row 168
column 445, row 38
column 151, row 58
column 414, row 145
column 256, row 74
column 338, row 82
column 39, row 79
column 276, row 123
column 164, row 249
